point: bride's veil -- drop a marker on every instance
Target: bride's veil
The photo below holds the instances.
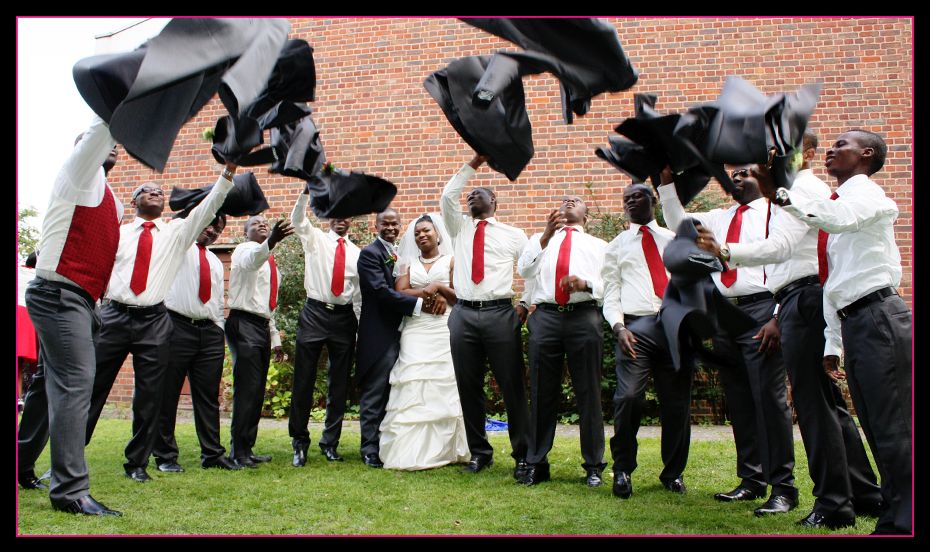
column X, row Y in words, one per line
column 407, row 251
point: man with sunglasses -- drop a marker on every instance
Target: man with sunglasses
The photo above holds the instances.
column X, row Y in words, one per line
column 844, row 484
column 754, row 377
column 134, row 318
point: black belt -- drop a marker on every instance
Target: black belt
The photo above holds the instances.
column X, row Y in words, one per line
column 133, row 309
column 70, row 287
column 752, row 298
column 484, row 304
column 330, row 306
column 812, row 280
column 199, row 322
column 844, row 312
column 249, row 316
column 565, row 308
column 627, row 318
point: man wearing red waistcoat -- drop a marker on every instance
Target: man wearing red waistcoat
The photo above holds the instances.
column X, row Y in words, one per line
column 80, row 235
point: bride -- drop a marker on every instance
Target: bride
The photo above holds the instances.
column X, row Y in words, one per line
column 423, row 425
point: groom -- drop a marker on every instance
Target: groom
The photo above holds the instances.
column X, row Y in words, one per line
column 378, row 334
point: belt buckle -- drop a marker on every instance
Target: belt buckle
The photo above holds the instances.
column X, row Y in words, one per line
column 329, row 306
column 478, row 304
column 842, row 314
column 565, row 308
column 734, row 300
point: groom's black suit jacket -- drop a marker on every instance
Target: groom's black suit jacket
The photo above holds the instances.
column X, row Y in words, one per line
column 382, row 307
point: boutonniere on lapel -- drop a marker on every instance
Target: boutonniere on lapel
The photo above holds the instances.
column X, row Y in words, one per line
column 391, row 259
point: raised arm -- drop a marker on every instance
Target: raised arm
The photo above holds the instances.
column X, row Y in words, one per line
column 847, row 214
column 452, row 214
column 202, row 214
column 82, row 174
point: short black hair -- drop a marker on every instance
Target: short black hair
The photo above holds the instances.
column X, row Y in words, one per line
column 646, row 188
column 877, row 143
column 385, row 211
column 32, row 259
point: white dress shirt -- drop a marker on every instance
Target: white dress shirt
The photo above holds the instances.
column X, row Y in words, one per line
column 25, row 276
column 170, row 241
column 587, row 258
column 861, row 251
column 627, row 280
column 749, row 280
column 80, row 183
column 791, row 245
column 250, row 283
column 184, row 295
column 503, row 245
column 319, row 257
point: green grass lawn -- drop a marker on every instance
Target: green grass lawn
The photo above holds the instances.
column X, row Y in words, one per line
column 350, row 498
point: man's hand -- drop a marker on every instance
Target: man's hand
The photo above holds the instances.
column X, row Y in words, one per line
column 571, row 283
column 522, row 312
column 666, row 176
column 279, row 354
column 438, row 304
column 770, row 336
column 708, row 242
column 554, row 221
column 281, row 230
column 626, row 339
column 831, row 365
column 477, row 161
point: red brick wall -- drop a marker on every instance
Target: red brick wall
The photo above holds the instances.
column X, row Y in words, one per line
column 375, row 115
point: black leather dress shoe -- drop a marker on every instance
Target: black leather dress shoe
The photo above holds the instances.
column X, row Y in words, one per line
column 535, row 475
column 594, row 477
column 85, row 505
column 623, row 485
column 300, row 457
column 372, row 461
column 170, row 467
column 139, row 475
column 520, row 469
column 28, row 480
column 331, row 454
column 478, row 463
column 739, row 493
column 776, row 504
column 816, row 520
column 244, row 462
column 260, row 458
column 676, row 485
column 222, row 463
column 870, row 509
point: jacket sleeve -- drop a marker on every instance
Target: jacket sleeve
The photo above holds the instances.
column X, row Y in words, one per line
column 371, row 277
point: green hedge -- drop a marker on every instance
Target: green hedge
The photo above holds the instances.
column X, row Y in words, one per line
column 292, row 296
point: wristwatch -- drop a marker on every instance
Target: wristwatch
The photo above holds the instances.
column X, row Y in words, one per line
column 781, row 197
column 725, row 252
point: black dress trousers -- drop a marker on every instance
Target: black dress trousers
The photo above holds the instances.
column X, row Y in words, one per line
column 249, row 339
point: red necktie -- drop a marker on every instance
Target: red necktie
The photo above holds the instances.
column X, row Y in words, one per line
column 477, row 253
column 654, row 260
column 728, row 277
column 140, row 270
column 273, row 296
column 823, row 270
column 204, row 275
column 561, row 266
column 339, row 269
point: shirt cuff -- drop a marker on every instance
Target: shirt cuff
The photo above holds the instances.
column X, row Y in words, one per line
column 275, row 339
column 417, row 309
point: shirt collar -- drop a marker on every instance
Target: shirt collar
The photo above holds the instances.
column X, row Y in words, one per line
column 760, row 204
column 138, row 221
column 391, row 248
column 491, row 220
column 851, row 183
column 803, row 173
column 335, row 237
column 652, row 224
column 577, row 227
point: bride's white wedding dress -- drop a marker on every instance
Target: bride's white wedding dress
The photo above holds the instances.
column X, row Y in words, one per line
column 423, row 426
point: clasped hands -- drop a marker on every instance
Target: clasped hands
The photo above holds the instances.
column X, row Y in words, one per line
column 433, row 301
